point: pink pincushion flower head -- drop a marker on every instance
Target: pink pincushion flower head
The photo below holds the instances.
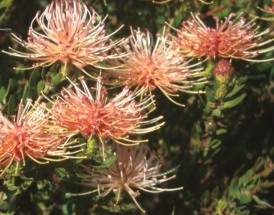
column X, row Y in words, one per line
column 30, row 135
column 69, row 33
column 79, row 110
column 234, row 37
column 151, row 65
column 135, row 170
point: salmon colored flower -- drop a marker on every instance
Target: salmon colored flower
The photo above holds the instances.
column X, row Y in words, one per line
column 135, row 170
column 232, row 38
column 149, row 65
column 29, row 135
column 68, row 32
column 117, row 118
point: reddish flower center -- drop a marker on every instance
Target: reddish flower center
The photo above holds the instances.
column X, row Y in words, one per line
column 147, row 73
column 142, row 72
column 15, row 142
column 213, row 43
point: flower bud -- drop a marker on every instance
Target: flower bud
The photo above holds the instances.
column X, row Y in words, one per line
column 222, row 72
column 223, row 69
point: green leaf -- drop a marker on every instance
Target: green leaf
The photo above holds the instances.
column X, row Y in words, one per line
column 56, row 79
column 235, row 90
column 61, row 172
column 5, row 3
column 4, row 205
column 10, row 185
column 234, row 102
column 215, row 143
column 245, row 198
column 29, row 84
column 40, row 86
column 217, row 113
column 110, row 159
column 2, row 94
column 262, row 203
column 221, row 131
column 90, row 147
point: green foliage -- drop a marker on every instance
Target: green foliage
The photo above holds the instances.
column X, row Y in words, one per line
column 243, row 191
column 5, row 6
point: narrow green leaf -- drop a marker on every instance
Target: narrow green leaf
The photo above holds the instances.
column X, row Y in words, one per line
column 234, row 102
column 40, row 86
column 2, row 94
column 235, row 90
column 261, row 202
column 90, row 146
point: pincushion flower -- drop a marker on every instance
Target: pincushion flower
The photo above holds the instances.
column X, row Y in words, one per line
column 150, row 65
column 135, row 170
column 232, row 38
column 79, row 110
column 30, row 135
column 68, row 32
